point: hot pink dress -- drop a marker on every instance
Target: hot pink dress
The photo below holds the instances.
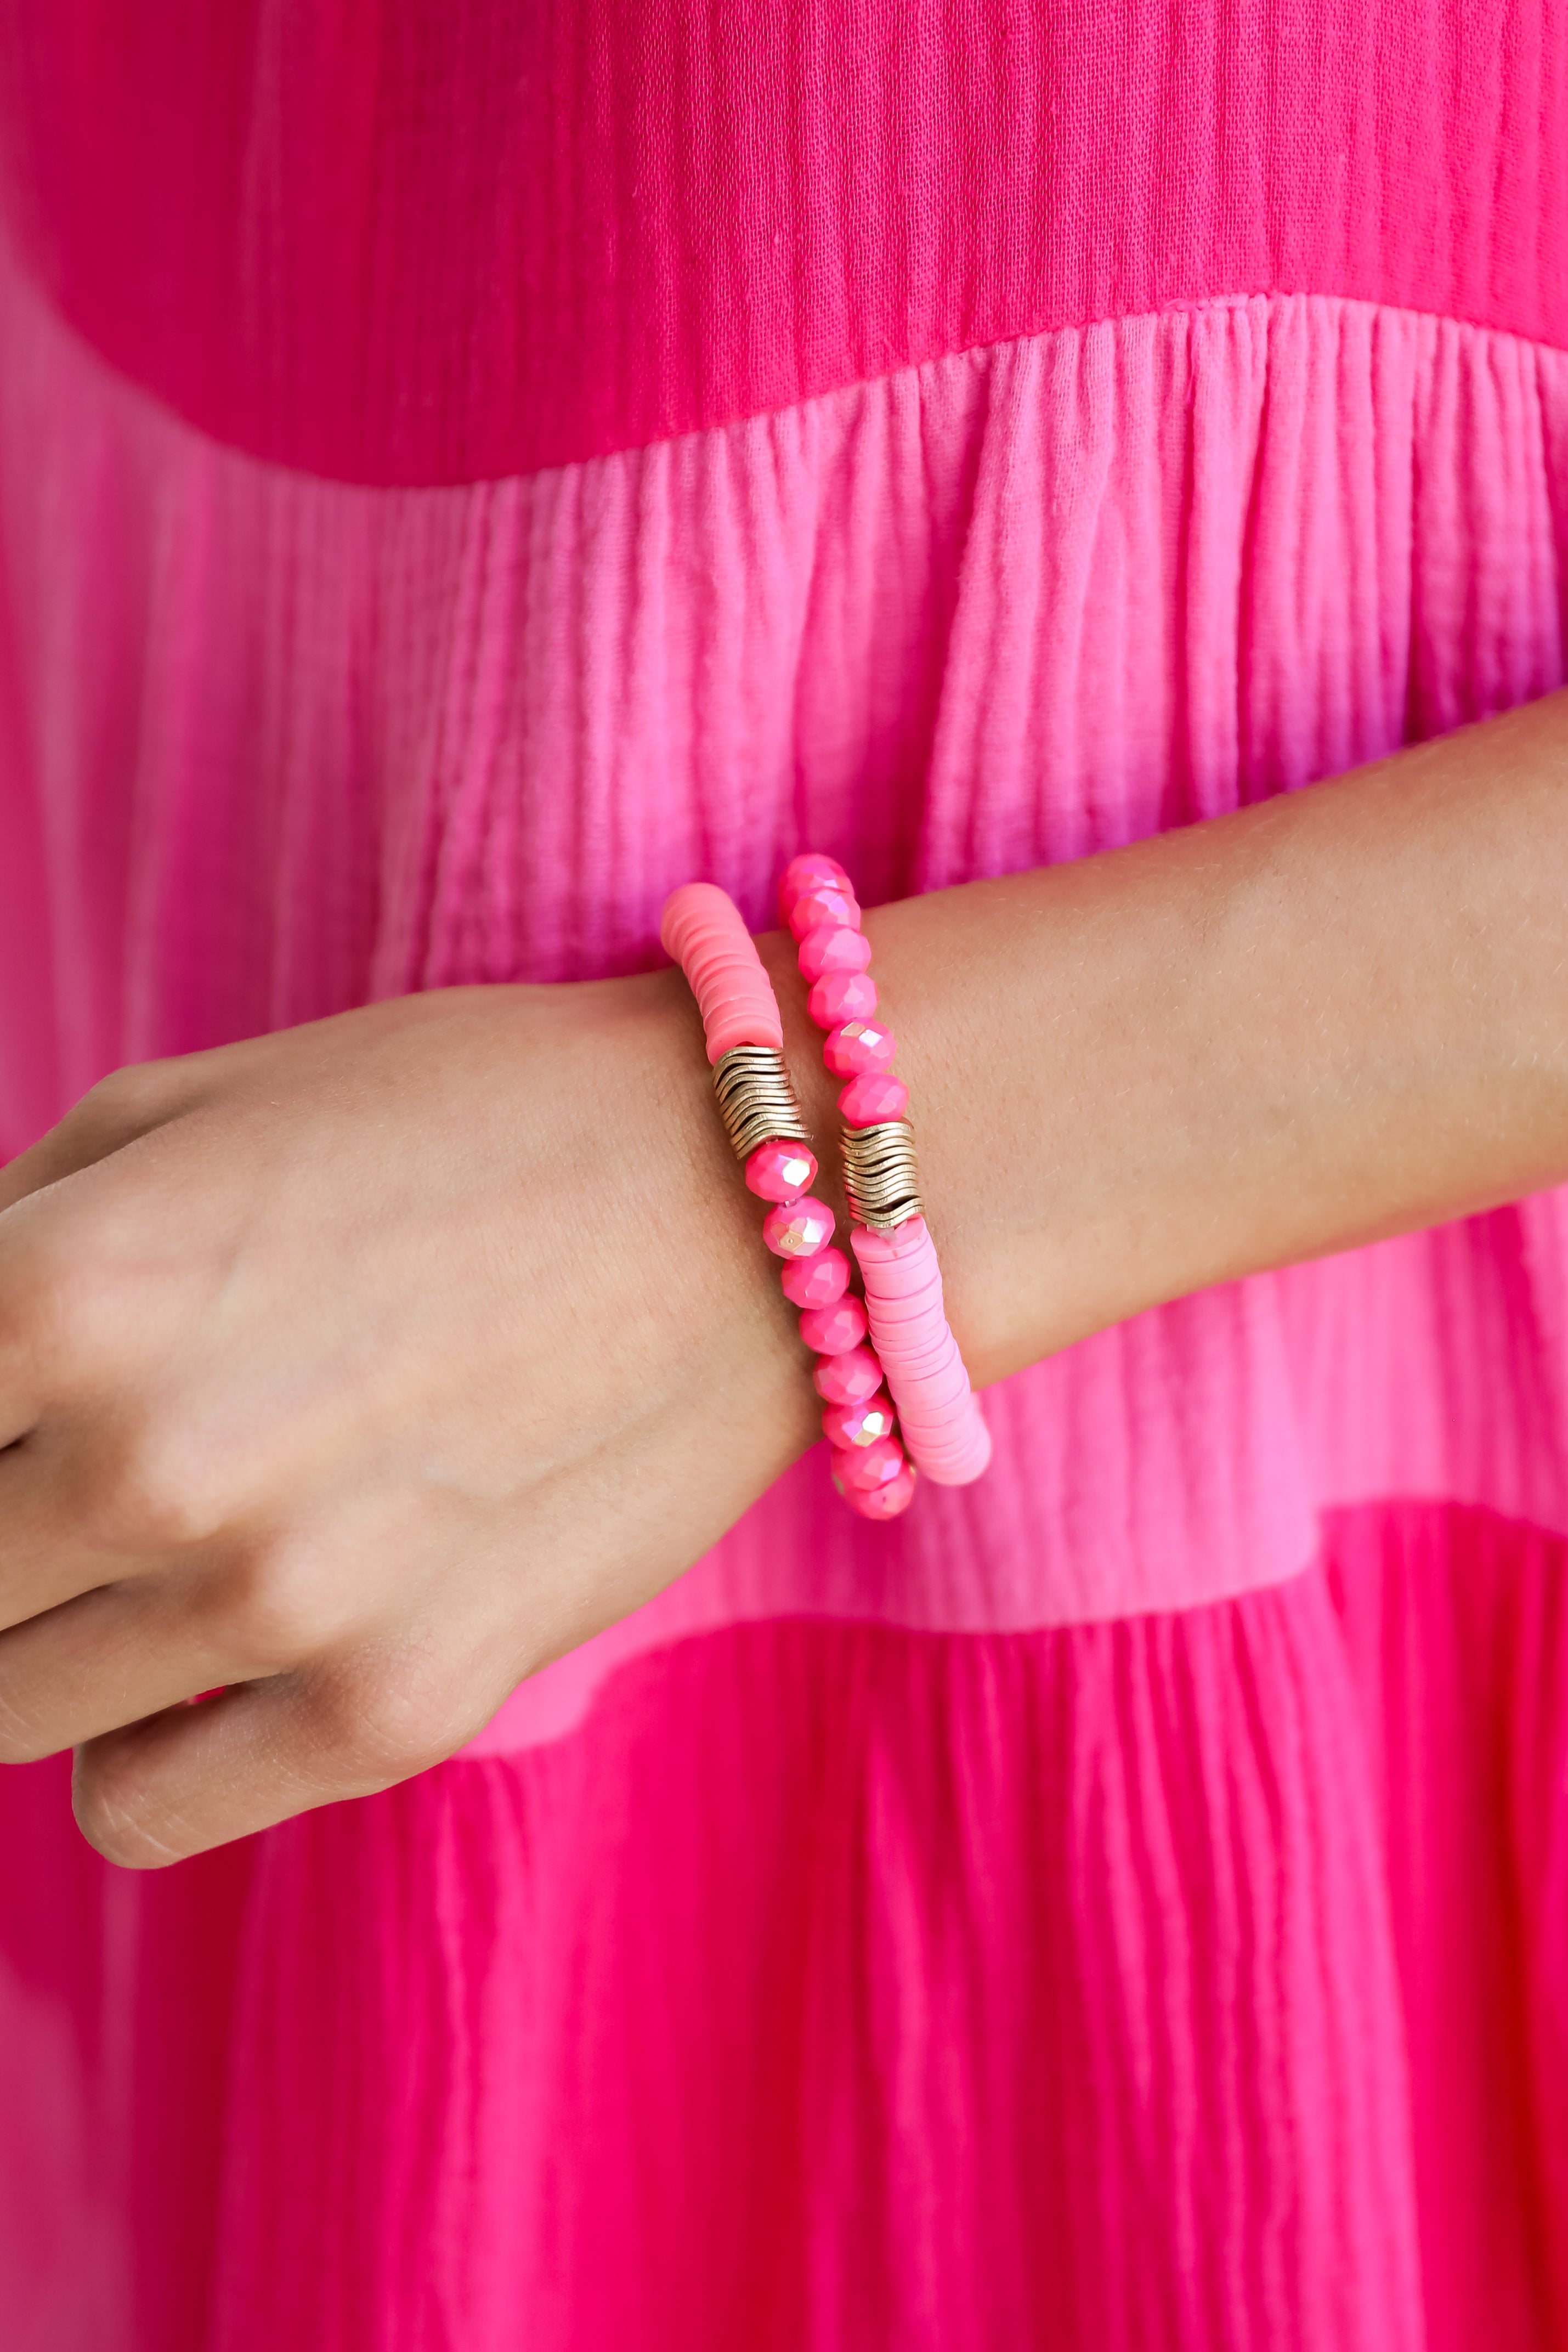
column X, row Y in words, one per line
column 465, row 468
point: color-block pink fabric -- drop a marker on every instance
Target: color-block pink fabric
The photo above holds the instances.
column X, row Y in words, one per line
column 1185, row 1982
column 1119, row 1905
column 444, row 240
column 1016, row 606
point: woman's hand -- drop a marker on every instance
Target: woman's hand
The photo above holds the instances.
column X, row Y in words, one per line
column 362, row 1370
column 366, row 1367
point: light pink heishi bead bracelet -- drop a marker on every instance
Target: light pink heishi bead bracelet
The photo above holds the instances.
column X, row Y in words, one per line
column 939, row 1416
column 703, row 930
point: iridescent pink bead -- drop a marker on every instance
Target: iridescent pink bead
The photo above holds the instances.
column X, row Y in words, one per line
column 876, row 1464
column 798, row 1228
column 832, row 946
column 875, row 1096
column 816, row 1281
column 831, row 905
column 858, row 1425
column 858, row 1045
column 881, row 1502
column 848, row 1379
column 810, row 871
column 780, row 1172
column 832, row 1330
column 842, row 996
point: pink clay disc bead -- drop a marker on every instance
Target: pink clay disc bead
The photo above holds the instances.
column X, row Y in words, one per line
column 816, row 1281
column 842, row 996
column 848, row 1379
column 858, row 1425
column 875, row 1096
column 858, row 1045
column 876, row 1464
column 831, row 905
column 798, row 1228
column 881, row 1502
column 833, row 1330
column 780, row 1172
column 811, row 871
column 832, row 946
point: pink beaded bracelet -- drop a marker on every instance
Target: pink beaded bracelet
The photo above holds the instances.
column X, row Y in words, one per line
column 702, row 929
column 938, row 1413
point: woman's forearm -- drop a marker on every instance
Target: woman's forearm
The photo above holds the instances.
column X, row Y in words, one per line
column 362, row 1369
column 1336, row 1016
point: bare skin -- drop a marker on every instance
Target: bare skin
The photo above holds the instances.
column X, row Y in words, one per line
column 366, row 1367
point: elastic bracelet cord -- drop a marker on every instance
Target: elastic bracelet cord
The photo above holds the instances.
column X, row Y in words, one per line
column 938, row 1413
column 703, row 931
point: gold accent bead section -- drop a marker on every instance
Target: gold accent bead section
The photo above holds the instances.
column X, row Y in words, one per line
column 756, row 1100
column 879, row 1174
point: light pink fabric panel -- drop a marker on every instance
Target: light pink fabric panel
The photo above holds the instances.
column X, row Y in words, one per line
column 274, row 745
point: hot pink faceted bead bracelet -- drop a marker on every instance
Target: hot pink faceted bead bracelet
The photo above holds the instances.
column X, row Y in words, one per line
column 938, row 1412
column 702, row 929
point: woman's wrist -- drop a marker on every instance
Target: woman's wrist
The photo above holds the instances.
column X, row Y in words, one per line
column 910, row 946
column 739, row 1329
column 1338, row 1015
column 1021, row 1271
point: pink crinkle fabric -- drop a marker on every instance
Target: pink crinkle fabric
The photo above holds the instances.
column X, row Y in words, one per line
column 465, row 473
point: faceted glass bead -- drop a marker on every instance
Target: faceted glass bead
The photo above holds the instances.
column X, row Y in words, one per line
column 875, row 1096
column 858, row 1425
column 811, row 871
column 847, row 1379
column 798, row 1228
column 876, row 1464
column 825, row 905
column 816, row 1281
column 780, row 1172
column 832, row 946
column 881, row 1502
column 842, row 996
column 858, row 1045
column 831, row 1330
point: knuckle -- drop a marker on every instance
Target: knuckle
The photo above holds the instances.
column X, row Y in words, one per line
column 158, row 1491
column 384, row 1728
column 282, row 1606
column 125, row 1101
column 109, row 1096
column 73, row 1304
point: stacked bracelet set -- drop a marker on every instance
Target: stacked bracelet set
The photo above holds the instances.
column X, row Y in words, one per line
column 931, row 1407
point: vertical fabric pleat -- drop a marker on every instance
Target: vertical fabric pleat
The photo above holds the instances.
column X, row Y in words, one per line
column 275, row 745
